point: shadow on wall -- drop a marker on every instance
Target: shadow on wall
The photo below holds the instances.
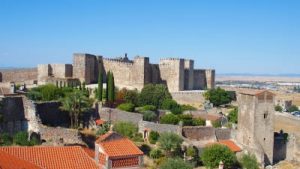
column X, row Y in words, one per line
column 280, row 146
column 51, row 115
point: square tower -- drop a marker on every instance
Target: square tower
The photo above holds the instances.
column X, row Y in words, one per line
column 84, row 67
column 255, row 123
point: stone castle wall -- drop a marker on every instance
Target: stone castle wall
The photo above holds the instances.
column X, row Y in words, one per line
column 29, row 76
column 177, row 74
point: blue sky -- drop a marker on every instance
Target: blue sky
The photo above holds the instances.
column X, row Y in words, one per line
column 232, row 36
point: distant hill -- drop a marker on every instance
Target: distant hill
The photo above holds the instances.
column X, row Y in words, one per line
column 262, row 75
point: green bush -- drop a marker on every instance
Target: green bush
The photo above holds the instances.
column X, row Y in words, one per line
column 187, row 107
column 131, row 96
column 103, row 129
column 172, row 105
column 126, row 129
column 147, row 108
column 48, row 92
column 218, row 96
column 191, row 152
column 169, row 119
column 175, row 163
column 21, row 138
column 186, row 119
column 138, row 137
column 5, row 139
column 278, row 108
column 126, row 107
column 233, row 115
column 216, row 124
column 156, row 153
column 149, row 116
column 170, row 142
column 293, row 108
column 153, row 94
column 248, row 161
column 198, row 122
column 212, row 155
column 153, row 137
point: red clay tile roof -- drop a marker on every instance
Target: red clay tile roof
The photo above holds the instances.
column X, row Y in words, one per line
column 8, row 161
column 115, row 145
column 231, row 145
column 53, row 157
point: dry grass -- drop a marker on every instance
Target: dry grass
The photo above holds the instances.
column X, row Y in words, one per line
column 286, row 124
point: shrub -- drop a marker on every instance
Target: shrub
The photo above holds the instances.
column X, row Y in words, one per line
column 212, row 155
column 46, row 93
column 187, row 107
column 293, row 108
column 131, row 96
column 21, row 138
column 248, row 161
column 172, row 105
column 169, row 119
column 218, row 96
column 103, row 129
column 5, row 139
column 147, row 108
column 126, row 107
column 153, row 137
column 233, row 115
column 278, row 108
column 154, row 94
column 126, row 129
column 175, row 163
column 198, row 122
column 169, row 142
column 138, row 137
column 149, row 116
column 155, row 153
column 216, row 124
column 186, row 119
column 191, row 152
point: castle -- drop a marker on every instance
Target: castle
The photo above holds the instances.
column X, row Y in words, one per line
column 177, row 74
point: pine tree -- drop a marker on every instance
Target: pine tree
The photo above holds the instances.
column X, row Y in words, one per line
column 100, row 85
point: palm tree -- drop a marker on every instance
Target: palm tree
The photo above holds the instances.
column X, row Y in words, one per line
column 76, row 103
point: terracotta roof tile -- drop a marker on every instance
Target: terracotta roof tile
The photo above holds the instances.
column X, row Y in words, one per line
column 53, row 157
column 115, row 145
column 8, row 161
column 231, row 145
column 100, row 122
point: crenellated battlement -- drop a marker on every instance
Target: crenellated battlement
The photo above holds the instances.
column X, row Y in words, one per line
column 117, row 61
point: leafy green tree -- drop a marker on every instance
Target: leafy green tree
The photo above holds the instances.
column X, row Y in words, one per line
column 154, row 94
column 293, row 108
column 278, row 108
column 186, row 119
column 248, row 161
column 76, row 103
column 126, row 129
column 218, row 96
column 170, row 104
column 175, row 163
column 233, row 115
column 212, row 155
column 155, row 153
column 126, row 107
column 100, row 85
column 169, row 142
column 169, row 119
column 149, row 116
column 131, row 96
column 187, row 107
column 153, row 137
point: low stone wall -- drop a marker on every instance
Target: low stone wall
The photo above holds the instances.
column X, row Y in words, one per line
column 199, row 133
column 57, row 136
column 51, row 114
column 160, row 128
column 223, row 134
column 194, row 98
column 293, row 148
column 19, row 75
column 116, row 115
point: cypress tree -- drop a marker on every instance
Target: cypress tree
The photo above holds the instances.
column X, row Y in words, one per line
column 107, row 85
column 100, row 85
column 113, row 87
column 110, row 87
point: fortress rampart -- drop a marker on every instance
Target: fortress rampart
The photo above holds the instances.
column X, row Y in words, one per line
column 28, row 75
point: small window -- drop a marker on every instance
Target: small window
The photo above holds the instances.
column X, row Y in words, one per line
column 264, row 139
column 265, row 115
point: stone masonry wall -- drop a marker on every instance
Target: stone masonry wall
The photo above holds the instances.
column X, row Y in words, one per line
column 199, row 133
column 116, row 115
column 160, row 128
column 19, row 75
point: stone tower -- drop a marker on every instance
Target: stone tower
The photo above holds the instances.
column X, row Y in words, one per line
column 255, row 124
column 85, row 67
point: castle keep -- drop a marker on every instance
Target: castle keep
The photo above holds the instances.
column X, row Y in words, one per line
column 177, row 74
